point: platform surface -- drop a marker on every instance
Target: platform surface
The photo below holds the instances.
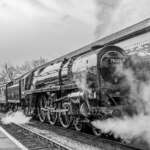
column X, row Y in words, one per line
column 7, row 142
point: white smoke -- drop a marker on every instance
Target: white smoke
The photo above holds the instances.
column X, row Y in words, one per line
column 15, row 117
column 127, row 128
column 137, row 126
column 115, row 15
column 104, row 15
column 81, row 81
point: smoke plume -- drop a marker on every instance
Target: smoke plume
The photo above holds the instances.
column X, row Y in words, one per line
column 137, row 75
column 104, row 15
column 81, row 81
column 15, row 117
column 127, row 128
column 115, row 15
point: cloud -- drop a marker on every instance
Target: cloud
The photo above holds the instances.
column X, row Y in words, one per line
column 52, row 10
column 105, row 10
column 130, row 12
column 116, row 15
column 37, row 27
column 29, row 25
column 103, row 16
column 23, row 9
column 83, row 11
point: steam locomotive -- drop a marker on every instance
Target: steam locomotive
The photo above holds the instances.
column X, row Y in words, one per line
column 81, row 86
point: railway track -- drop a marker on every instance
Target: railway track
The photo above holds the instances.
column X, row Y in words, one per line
column 39, row 136
column 84, row 139
column 32, row 140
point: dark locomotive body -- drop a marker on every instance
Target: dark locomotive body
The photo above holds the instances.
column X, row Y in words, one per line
column 81, row 87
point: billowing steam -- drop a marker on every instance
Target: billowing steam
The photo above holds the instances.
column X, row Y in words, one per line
column 104, row 15
column 15, row 117
column 85, row 82
column 114, row 15
column 137, row 76
column 81, row 81
column 127, row 128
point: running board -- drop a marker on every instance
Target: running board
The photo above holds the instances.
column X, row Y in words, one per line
column 54, row 110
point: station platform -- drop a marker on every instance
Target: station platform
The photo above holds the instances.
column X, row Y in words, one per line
column 7, row 142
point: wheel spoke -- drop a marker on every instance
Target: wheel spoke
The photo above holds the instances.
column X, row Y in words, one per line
column 52, row 117
column 78, row 124
column 65, row 118
column 41, row 111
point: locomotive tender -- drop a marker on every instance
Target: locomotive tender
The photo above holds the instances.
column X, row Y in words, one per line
column 81, row 86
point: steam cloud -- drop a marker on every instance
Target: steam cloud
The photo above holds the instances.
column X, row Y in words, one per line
column 115, row 15
column 15, row 117
column 104, row 15
column 81, row 81
column 137, row 126
column 127, row 128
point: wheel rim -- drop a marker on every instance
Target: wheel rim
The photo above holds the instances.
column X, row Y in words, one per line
column 41, row 112
column 77, row 124
column 96, row 131
column 52, row 117
column 65, row 118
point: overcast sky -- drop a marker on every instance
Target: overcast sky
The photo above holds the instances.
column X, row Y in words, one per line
column 30, row 29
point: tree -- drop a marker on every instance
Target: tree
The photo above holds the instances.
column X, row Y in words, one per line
column 10, row 72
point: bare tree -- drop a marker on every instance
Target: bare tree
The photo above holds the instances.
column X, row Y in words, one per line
column 10, row 72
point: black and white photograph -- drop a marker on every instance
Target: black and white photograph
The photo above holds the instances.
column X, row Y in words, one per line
column 74, row 74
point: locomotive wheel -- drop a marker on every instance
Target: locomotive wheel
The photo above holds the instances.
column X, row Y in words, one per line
column 64, row 117
column 77, row 124
column 52, row 116
column 96, row 131
column 41, row 106
column 26, row 106
column 28, row 109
